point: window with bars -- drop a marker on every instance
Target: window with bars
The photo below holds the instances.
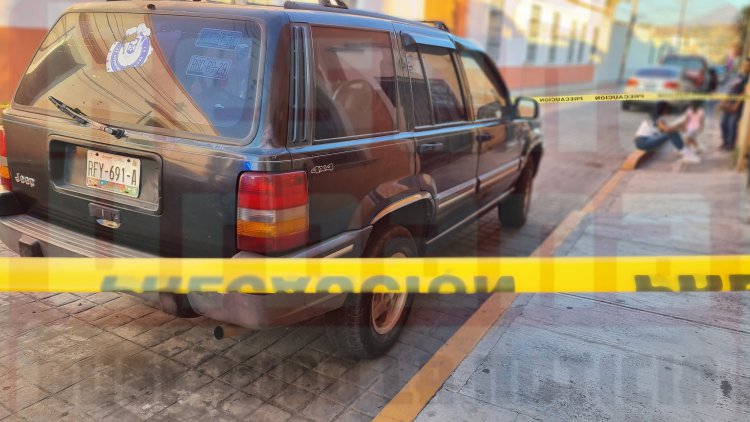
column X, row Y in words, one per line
column 594, row 45
column 555, row 38
column 572, row 41
column 582, row 44
column 534, row 26
column 495, row 30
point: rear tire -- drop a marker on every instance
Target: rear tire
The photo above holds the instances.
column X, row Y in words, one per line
column 515, row 210
column 369, row 324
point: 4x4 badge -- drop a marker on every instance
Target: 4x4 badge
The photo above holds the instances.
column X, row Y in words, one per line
column 28, row 181
column 322, row 169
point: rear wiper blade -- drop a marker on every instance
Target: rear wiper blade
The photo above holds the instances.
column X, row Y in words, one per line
column 81, row 118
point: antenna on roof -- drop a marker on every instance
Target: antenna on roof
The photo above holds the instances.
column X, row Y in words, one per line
column 438, row 24
column 339, row 4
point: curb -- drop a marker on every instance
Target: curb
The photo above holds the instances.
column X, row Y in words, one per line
column 634, row 160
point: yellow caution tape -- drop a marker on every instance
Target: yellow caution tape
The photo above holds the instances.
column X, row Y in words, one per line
column 603, row 98
column 470, row 275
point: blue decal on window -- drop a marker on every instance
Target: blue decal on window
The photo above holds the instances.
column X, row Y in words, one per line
column 209, row 67
column 217, row 38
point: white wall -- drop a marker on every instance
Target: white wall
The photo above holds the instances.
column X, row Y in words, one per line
column 516, row 29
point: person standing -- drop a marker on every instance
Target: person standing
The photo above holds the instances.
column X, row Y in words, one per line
column 732, row 109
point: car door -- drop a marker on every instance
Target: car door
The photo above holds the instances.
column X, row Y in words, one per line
column 445, row 138
column 500, row 147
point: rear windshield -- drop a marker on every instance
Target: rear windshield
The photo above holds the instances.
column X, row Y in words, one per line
column 657, row 73
column 173, row 73
column 689, row 63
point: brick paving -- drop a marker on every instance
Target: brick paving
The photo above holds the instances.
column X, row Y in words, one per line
column 109, row 356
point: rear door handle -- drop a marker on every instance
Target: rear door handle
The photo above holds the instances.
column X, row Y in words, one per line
column 484, row 137
column 426, row 148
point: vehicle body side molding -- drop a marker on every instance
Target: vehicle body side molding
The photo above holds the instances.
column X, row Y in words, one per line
column 421, row 196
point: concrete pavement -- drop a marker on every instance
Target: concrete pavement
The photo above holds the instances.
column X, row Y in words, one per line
column 624, row 357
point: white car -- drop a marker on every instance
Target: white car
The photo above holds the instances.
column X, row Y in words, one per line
column 659, row 80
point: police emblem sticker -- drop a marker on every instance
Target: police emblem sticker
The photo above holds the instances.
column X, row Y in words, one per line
column 130, row 54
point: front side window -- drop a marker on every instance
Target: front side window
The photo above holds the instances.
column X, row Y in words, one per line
column 175, row 73
column 355, row 83
column 488, row 102
column 445, row 88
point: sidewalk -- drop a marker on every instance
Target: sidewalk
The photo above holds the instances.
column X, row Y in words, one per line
column 616, row 356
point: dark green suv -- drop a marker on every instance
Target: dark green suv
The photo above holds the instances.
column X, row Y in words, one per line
column 190, row 129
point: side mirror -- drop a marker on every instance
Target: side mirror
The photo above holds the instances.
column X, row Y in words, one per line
column 527, row 108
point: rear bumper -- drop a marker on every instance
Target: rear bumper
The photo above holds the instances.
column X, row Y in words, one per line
column 263, row 311
column 266, row 311
column 29, row 236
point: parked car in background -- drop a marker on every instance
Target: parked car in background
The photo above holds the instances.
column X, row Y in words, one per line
column 661, row 79
column 696, row 69
column 203, row 130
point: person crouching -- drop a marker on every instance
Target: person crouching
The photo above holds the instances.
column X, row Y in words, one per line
column 655, row 131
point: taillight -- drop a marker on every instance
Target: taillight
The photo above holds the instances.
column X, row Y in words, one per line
column 632, row 82
column 672, row 85
column 272, row 212
column 696, row 77
column 4, row 170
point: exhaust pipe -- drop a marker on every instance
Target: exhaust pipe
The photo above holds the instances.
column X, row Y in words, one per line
column 221, row 332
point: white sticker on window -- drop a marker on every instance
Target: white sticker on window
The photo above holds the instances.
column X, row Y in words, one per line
column 132, row 54
column 209, row 67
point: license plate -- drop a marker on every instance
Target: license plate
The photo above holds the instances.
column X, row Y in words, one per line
column 113, row 173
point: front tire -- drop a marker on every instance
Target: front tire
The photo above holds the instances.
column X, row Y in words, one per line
column 514, row 212
column 369, row 324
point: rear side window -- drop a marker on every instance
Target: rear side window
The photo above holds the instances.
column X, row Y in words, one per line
column 486, row 96
column 355, row 83
column 445, row 88
column 175, row 73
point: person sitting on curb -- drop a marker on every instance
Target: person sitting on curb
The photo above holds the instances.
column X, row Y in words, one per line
column 655, row 131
